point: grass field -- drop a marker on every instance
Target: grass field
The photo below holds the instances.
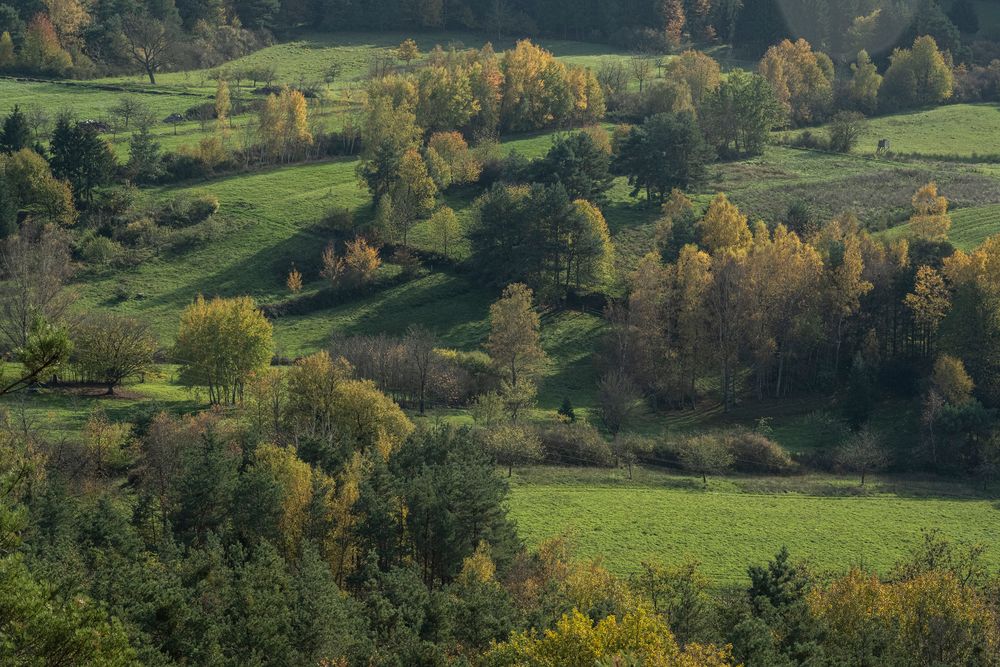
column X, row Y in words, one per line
column 733, row 523
column 955, row 131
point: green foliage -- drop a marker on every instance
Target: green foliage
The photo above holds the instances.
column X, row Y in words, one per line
column 667, row 151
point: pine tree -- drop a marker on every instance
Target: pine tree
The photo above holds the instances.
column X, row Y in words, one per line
column 16, row 134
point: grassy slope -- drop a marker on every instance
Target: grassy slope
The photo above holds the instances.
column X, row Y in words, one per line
column 668, row 519
column 961, row 130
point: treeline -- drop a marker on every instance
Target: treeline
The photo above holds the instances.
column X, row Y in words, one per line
column 71, row 38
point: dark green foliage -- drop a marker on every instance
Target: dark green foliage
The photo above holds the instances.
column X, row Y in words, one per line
column 777, row 602
column 81, row 157
column 8, row 211
column 10, row 21
column 667, row 151
column 527, row 235
column 144, row 162
column 860, row 393
column 800, row 218
column 566, row 410
column 579, row 164
column 16, row 134
column 455, row 500
column 963, row 14
column 739, row 115
column 971, row 332
column 206, row 488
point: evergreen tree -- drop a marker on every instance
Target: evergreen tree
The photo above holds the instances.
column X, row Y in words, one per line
column 81, row 157
column 16, row 134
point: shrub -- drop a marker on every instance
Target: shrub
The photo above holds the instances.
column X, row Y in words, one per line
column 576, row 444
column 754, row 452
column 99, row 250
column 186, row 211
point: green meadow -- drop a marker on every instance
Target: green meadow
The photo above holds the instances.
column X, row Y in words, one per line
column 830, row 522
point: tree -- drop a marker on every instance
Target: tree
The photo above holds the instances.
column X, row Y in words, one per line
column 223, row 104
column 674, row 20
column 127, row 109
column 916, row 77
column 739, row 115
column 148, row 41
column 929, row 302
column 863, row 454
column 445, row 229
column 724, row 227
column 628, row 447
column 511, row 445
column 536, row 93
column 951, row 380
column 963, row 14
column 580, row 164
column 15, row 134
column 7, row 59
column 450, row 161
column 33, row 189
column 845, row 130
column 591, row 252
column 705, row 454
column 408, row 51
column 387, row 134
column 221, row 343
column 46, row 348
column 700, row 71
column 930, row 219
column 667, row 151
column 361, row 261
column 412, row 192
column 514, row 344
column 420, row 345
column 284, row 125
column 35, row 266
column 640, row 66
column 41, row 51
column 144, row 162
column 110, row 349
column 294, row 281
column 865, row 84
column 81, row 157
column 802, row 80
column 619, row 399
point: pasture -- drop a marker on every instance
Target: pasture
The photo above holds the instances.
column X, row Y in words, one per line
column 665, row 518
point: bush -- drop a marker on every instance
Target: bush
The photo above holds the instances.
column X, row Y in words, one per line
column 99, row 250
column 576, row 444
column 754, row 452
column 183, row 167
column 184, row 211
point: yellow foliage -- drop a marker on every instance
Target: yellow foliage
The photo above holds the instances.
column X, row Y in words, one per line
column 699, row 70
column 221, row 343
column 578, row 642
column 294, row 281
column 514, row 344
column 929, row 300
column 361, row 261
column 294, row 478
column 951, row 380
column 930, row 219
column 724, row 228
